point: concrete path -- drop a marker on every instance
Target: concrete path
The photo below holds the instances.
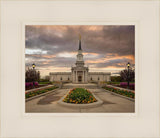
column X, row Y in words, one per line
column 111, row 103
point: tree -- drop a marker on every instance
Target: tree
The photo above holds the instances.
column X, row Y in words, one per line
column 116, row 78
column 32, row 75
column 46, row 78
column 124, row 75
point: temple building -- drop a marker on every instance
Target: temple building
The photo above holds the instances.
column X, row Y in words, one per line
column 80, row 73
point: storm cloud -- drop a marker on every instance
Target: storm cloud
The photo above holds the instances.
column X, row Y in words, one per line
column 54, row 47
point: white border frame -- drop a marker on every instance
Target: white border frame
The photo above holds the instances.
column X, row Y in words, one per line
column 33, row 117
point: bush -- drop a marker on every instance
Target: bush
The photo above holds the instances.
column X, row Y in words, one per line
column 125, row 85
column 115, row 78
column 30, row 85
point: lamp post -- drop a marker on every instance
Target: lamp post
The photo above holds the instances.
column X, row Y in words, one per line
column 128, row 65
column 61, row 83
column 33, row 65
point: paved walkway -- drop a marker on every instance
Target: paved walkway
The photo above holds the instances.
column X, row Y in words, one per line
column 111, row 103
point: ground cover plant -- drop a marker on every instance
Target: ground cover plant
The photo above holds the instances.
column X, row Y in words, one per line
column 123, row 84
column 37, row 92
column 45, row 82
column 121, row 92
column 79, row 96
column 31, row 85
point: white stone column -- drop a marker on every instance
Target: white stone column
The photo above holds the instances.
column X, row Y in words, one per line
column 76, row 77
column 72, row 76
column 83, row 76
column 86, row 76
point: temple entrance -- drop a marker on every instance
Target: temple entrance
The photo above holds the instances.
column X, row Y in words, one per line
column 79, row 78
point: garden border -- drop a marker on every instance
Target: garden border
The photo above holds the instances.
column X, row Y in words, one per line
column 88, row 105
column 131, row 99
column 35, row 89
column 34, row 97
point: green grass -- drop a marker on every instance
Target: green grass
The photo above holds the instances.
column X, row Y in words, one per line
column 121, row 92
column 34, row 93
column 47, row 82
column 79, row 96
column 112, row 82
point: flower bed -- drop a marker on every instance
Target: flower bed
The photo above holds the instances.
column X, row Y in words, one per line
column 37, row 92
column 122, row 92
column 79, row 96
column 31, row 85
column 125, row 85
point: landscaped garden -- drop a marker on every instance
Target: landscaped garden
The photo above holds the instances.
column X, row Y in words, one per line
column 125, row 76
column 79, row 96
column 123, row 85
column 40, row 91
column 33, row 85
column 127, row 93
column 45, row 82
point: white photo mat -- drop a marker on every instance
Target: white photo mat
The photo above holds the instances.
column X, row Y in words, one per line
column 16, row 123
column 80, row 22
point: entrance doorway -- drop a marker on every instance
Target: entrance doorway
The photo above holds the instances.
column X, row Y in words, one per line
column 79, row 78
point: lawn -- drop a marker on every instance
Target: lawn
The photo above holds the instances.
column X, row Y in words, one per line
column 45, row 82
column 112, row 82
column 123, row 85
column 37, row 92
column 121, row 92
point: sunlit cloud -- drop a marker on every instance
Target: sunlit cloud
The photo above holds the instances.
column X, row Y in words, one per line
column 35, row 51
column 66, row 54
column 53, row 48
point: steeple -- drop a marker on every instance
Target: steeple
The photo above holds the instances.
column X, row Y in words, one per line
column 80, row 61
column 79, row 42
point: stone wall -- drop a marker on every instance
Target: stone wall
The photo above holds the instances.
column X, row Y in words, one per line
column 98, row 76
column 60, row 76
column 92, row 76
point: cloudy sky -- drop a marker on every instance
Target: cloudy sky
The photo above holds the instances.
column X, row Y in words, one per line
column 54, row 48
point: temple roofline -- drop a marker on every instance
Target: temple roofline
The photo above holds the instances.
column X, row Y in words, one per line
column 89, row 73
column 60, row 73
column 99, row 73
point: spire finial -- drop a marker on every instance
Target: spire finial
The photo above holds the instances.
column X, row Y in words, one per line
column 80, row 42
column 79, row 36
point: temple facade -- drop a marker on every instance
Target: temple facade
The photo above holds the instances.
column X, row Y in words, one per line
column 80, row 73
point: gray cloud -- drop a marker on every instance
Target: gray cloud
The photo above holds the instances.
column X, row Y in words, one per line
column 103, row 40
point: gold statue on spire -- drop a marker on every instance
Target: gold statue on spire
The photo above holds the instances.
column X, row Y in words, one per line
column 79, row 36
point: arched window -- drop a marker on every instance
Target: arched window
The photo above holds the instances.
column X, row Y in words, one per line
column 91, row 78
column 98, row 78
column 68, row 78
column 61, row 79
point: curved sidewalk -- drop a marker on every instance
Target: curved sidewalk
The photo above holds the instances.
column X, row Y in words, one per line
column 111, row 103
